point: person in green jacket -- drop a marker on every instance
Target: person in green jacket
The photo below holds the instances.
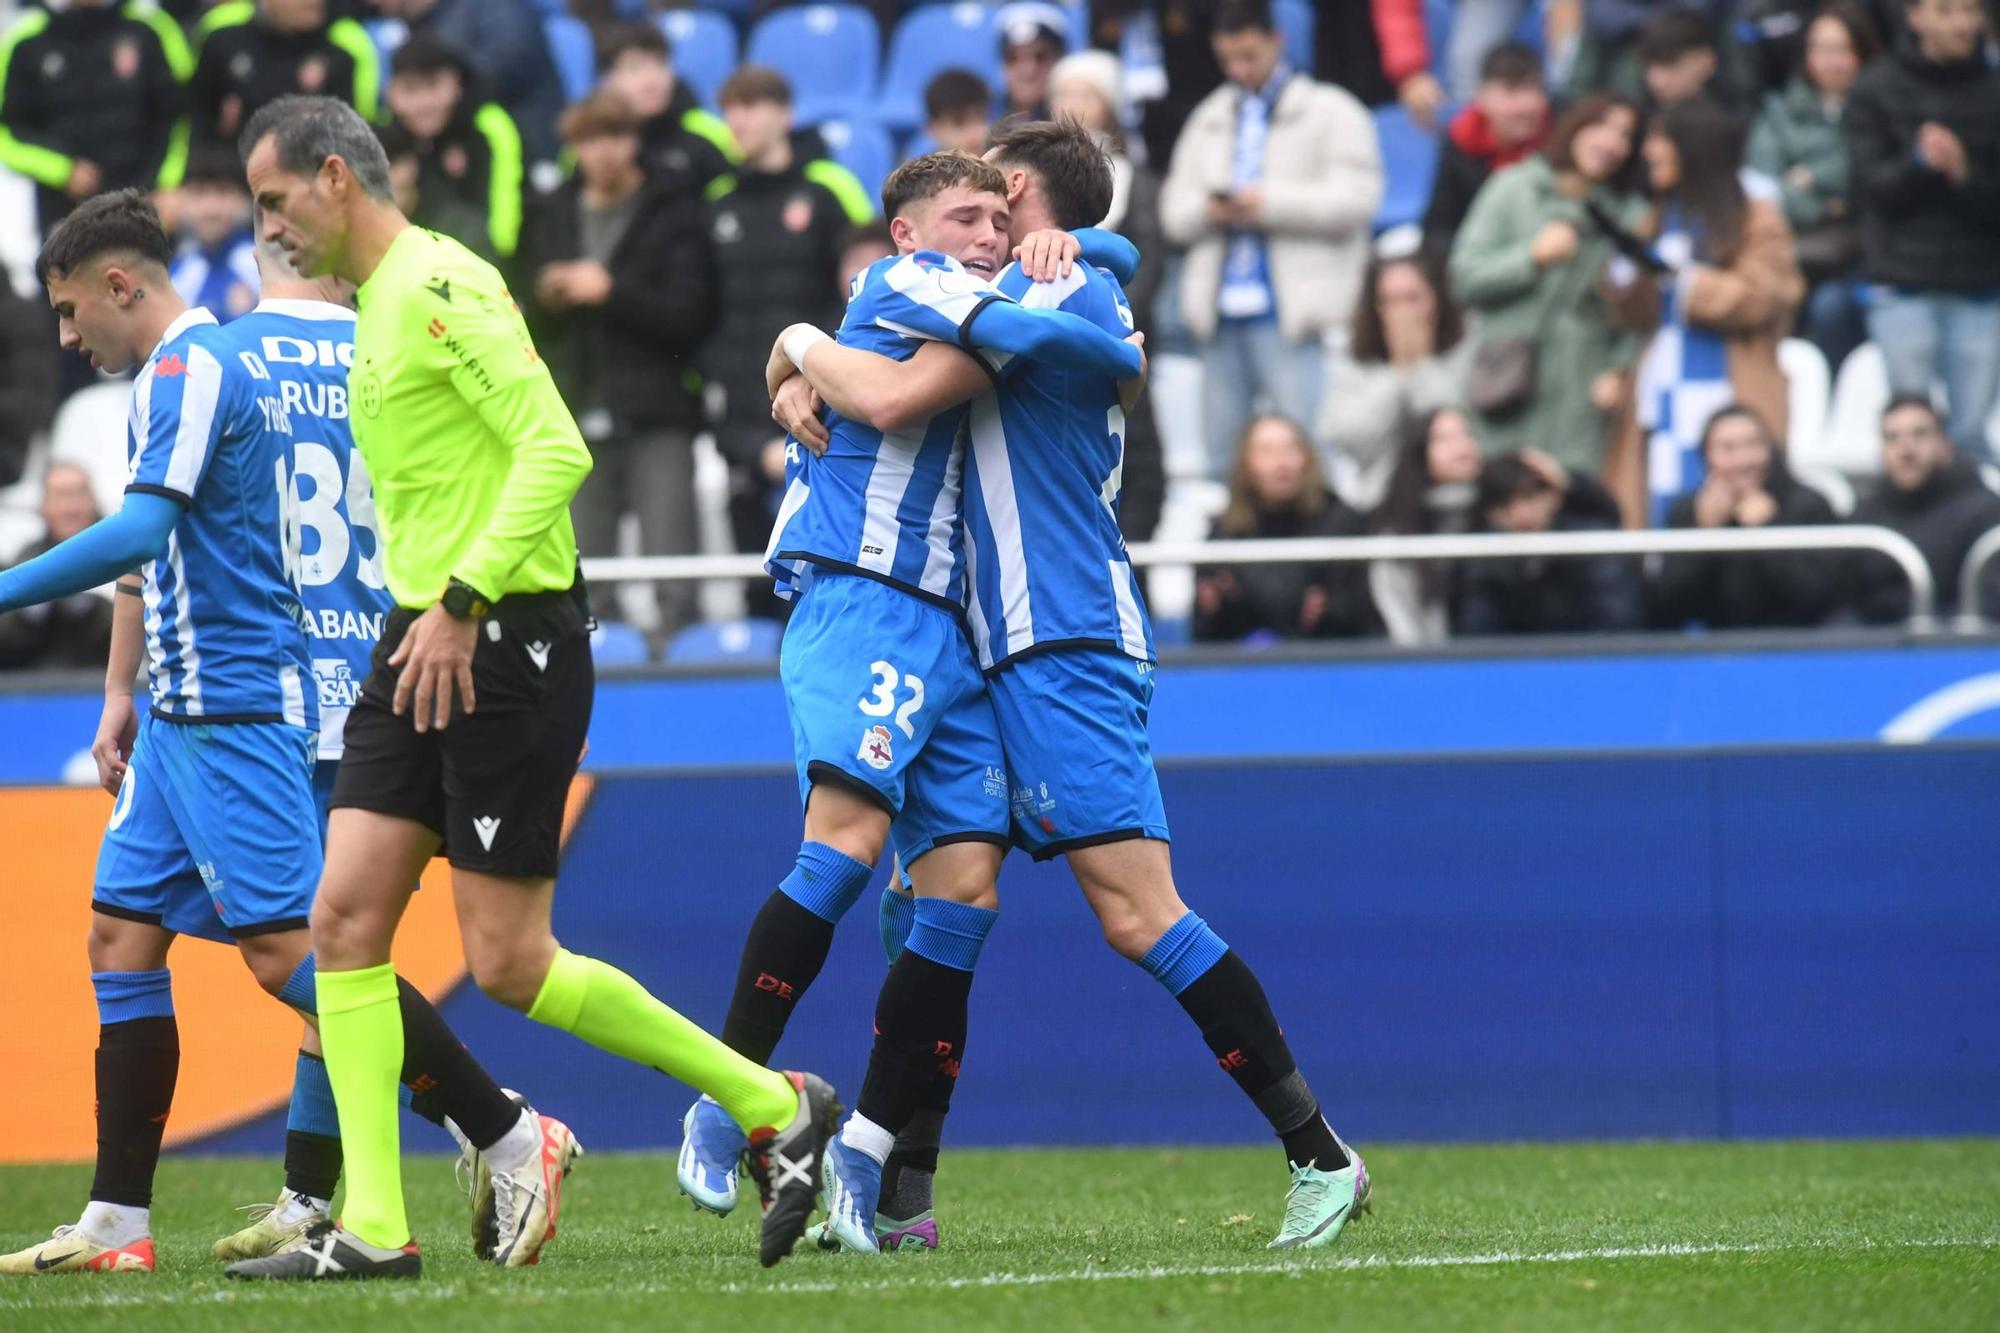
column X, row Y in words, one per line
column 1800, row 142
column 1530, row 263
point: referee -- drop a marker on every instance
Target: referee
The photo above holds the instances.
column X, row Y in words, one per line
column 472, row 719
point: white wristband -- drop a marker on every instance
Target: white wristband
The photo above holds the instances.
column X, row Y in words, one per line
column 799, row 341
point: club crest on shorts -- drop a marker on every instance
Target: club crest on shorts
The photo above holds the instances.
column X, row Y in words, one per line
column 875, row 749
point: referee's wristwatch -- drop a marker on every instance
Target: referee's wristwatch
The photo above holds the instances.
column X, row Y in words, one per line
column 462, row 601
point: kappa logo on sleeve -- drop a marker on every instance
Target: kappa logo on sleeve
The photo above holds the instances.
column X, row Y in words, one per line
column 169, row 366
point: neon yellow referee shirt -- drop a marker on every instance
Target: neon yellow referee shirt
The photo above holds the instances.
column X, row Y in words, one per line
column 473, row 454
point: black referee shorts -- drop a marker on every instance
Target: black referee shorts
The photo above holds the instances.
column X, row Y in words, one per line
column 492, row 784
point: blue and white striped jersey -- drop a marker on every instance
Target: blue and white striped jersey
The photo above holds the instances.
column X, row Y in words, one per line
column 307, row 346
column 1046, row 562
column 222, row 612
column 886, row 505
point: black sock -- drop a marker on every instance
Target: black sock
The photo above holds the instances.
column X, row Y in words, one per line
column 912, row 1164
column 440, row 1072
column 919, row 1041
column 312, row 1164
column 138, row 1062
column 786, row 948
column 1228, row 1005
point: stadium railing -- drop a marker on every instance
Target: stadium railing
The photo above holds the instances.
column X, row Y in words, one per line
column 1971, row 619
column 1472, row 546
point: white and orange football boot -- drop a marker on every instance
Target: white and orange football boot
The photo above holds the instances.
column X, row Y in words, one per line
column 527, row 1199
column 68, row 1250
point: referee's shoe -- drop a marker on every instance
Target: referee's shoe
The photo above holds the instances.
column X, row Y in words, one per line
column 787, row 1166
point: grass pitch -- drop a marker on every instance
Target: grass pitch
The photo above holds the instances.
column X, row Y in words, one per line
column 1652, row 1236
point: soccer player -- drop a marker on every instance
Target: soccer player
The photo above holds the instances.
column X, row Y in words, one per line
column 1061, row 631
column 892, row 731
column 472, row 720
column 214, row 830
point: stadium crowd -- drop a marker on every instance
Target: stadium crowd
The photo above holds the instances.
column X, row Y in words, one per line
column 1493, row 265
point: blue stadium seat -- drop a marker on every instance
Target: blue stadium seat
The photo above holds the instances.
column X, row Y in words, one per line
column 726, row 641
column 929, row 40
column 1298, row 22
column 615, row 643
column 831, row 54
column 863, row 147
column 575, row 54
column 1409, row 158
column 704, row 45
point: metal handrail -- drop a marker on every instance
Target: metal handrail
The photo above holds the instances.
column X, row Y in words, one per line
column 1471, row 546
column 1970, row 618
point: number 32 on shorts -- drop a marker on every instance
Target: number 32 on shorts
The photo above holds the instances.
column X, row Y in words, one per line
column 881, row 701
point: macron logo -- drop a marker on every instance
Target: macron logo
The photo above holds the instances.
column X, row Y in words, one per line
column 486, row 826
column 539, row 652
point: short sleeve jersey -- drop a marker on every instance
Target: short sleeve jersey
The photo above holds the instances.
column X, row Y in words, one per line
column 222, row 610
column 438, row 338
column 307, row 347
column 886, row 505
column 1048, row 565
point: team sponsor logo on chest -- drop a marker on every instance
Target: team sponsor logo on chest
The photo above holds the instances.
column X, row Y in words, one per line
column 798, row 213
column 125, row 59
column 312, row 75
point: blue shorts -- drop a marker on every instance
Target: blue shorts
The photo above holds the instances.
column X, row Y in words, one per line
column 1073, row 725
column 215, row 832
column 886, row 699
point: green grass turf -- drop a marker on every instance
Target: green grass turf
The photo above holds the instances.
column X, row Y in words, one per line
column 1649, row 1236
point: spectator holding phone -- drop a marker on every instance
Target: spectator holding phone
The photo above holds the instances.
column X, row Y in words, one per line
column 1728, row 300
column 1548, row 366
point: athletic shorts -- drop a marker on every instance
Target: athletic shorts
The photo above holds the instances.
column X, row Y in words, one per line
column 1073, row 724
column 492, row 785
column 885, row 699
column 215, row 832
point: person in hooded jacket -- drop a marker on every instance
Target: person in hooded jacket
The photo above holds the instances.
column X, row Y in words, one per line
column 1934, row 498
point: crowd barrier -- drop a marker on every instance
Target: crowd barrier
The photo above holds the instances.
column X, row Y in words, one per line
column 1723, row 891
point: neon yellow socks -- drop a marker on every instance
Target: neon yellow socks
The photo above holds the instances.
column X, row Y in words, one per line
column 608, row 1009
column 361, row 1030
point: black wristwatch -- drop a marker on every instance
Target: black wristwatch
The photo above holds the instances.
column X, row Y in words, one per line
column 462, row 601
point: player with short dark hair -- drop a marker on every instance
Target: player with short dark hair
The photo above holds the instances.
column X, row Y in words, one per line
column 472, row 721
column 215, row 831
column 1059, row 627
column 892, row 733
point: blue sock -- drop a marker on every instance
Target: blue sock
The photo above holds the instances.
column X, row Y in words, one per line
column 311, row 1111
column 898, row 915
column 1179, row 958
column 299, row 990
column 124, row 996
column 950, row 934
column 825, row 881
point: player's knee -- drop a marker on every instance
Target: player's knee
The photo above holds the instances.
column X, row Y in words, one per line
column 1127, row 930
column 510, row 972
column 115, row 944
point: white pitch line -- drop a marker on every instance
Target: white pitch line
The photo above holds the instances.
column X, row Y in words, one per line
column 1345, row 1264
column 1305, row 1266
